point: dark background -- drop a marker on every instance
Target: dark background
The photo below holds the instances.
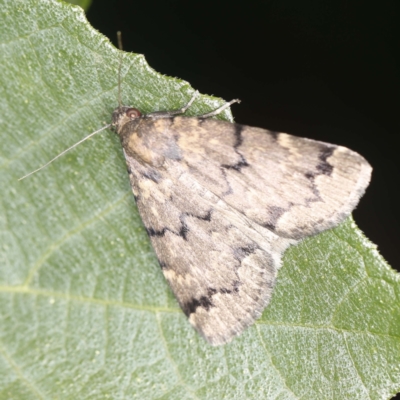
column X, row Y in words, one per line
column 326, row 70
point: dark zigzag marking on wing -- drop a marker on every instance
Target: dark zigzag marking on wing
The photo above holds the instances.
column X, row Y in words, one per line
column 183, row 230
column 240, row 253
column 274, row 134
column 206, row 301
column 238, row 141
column 275, row 213
column 322, row 168
column 230, row 190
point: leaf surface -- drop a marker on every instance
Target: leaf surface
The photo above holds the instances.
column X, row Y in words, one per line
column 84, row 309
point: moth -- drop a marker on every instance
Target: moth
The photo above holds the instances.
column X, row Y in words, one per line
column 221, row 202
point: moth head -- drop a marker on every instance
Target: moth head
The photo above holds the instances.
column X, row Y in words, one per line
column 122, row 115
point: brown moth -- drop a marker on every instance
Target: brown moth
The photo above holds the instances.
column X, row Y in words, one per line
column 221, row 202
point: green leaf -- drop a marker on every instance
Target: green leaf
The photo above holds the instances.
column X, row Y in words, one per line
column 84, row 309
column 85, row 4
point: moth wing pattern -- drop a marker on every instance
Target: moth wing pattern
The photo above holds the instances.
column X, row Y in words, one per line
column 294, row 186
column 221, row 202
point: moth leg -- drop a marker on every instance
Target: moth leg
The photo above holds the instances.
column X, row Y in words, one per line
column 219, row 110
column 168, row 114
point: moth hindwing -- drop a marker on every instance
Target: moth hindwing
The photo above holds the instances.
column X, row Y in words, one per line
column 221, row 202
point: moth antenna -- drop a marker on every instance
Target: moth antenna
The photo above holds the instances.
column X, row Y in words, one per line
column 63, row 152
column 119, row 36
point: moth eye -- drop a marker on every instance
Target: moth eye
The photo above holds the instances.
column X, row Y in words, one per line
column 133, row 113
